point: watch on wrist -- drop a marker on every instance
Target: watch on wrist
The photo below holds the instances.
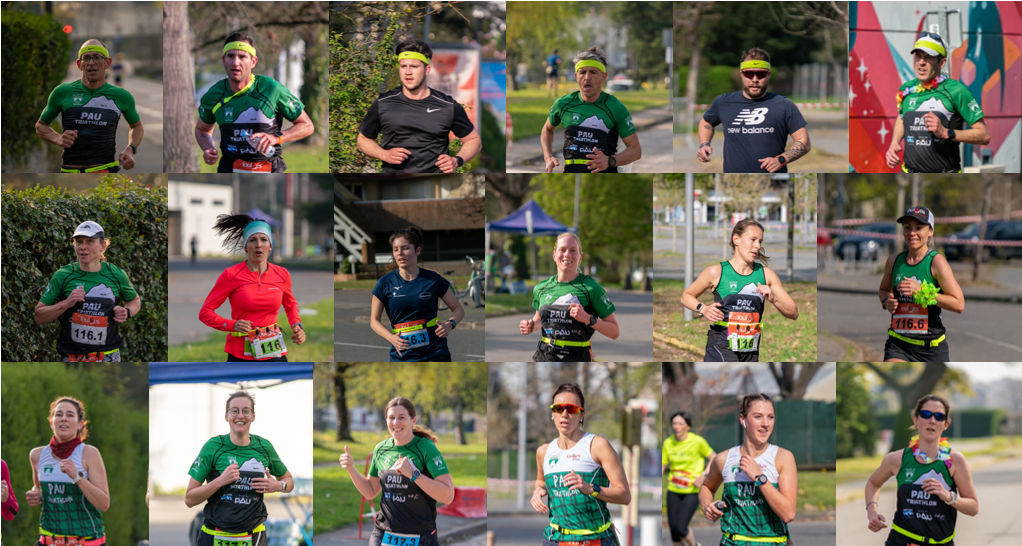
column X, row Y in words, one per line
column 596, row 490
column 703, row 144
column 699, row 308
column 951, row 134
column 415, row 475
column 461, row 160
column 454, row 323
column 134, row 149
column 782, row 159
column 761, row 480
column 78, row 478
column 593, row 319
column 954, row 497
column 611, row 161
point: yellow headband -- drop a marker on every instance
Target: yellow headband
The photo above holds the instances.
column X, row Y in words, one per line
column 241, row 46
column 412, row 55
column 595, row 64
column 97, row 48
column 755, row 64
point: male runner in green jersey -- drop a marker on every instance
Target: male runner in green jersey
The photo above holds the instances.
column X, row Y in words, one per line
column 592, row 120
column 932, row 111
column 89, row 111
column 250, row 110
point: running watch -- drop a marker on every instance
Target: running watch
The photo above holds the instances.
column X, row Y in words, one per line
column 134, row 149
column 415, row 475
column 761, row 480
column 454, row 323
column 461, row 160
column 950, row 134
column 611, row 161
column 699, row 308
column 593, row 319
column 782, row 158
column 596, row 490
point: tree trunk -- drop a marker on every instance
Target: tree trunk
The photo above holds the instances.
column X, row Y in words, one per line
column 978, row 261
column 791, row 230
column 459, row 422
column 341, row 402
column 792, row 385
column 178, row 91
column 695, row 57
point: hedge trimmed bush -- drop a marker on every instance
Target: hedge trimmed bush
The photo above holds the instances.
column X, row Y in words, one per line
column 35, row 55
column 119, row 428
column 37, row 226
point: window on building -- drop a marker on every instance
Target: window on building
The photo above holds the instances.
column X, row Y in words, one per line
column 196, row 200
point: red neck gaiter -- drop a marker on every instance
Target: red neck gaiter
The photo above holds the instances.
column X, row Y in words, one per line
column 64, row 450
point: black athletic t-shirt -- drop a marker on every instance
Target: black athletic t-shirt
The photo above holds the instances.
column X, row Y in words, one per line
column 753, row 129
column 420, row 126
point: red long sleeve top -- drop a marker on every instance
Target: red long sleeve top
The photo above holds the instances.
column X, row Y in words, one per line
column 253, row 298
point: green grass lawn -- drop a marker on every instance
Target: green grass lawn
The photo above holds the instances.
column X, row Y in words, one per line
column 500, row 304
column 318, row 346
column 529, row 107
column 815, row 490
column 861, row 468
column 783, row 340
column 337, row 500
column 299, row 159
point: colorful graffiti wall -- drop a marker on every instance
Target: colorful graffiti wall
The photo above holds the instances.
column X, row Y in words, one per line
column 989, row 63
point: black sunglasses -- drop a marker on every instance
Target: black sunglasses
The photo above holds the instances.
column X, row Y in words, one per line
column 926, row 414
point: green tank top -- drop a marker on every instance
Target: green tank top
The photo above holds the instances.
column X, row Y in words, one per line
column 747, row 512
column 66, row 511
column 586, row 517
column 911, row 320
column 918, row 512
column 742, row 305
column 589, row 125
column 94, row 113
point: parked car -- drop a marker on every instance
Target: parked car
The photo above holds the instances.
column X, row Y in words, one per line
column 866, row 246
column 961, row 251
column 1006, row 231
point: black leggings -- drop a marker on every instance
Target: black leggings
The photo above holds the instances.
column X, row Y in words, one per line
column 680, row 508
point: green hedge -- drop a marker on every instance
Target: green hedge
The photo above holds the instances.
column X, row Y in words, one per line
column 35, row 53
column 713, row 81
column 968, row 423
column 37, row 226
column 119, row 429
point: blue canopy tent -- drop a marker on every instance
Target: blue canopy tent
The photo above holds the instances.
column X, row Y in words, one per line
column 256, row 212
column 206, row 372
column 530, row 220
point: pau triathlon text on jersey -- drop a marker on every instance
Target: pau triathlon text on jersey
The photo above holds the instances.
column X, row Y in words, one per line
column 89, row 326
column 736, row 337
column 565, row 339
column 589, row 126
column 954, row 106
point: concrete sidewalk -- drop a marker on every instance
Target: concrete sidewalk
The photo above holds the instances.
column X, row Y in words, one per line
column 449, row 529
column 528, row 150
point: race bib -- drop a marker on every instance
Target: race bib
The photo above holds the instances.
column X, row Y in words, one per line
column 90, row 357
column 681, row 480
column 743, row 332
column 88, row 329
column 241, row 166
column 590, row 542
column 910, row 318
column 62, row 541
column 266, row 343
column 232, row 541
column 416, row 338
column 397, row 539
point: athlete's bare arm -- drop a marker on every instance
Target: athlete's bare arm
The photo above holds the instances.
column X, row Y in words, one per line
column 978, row 134
column 632, row 151
column 781, row 300
column 783, row 499
column 801, row 146
column 608, row 327
column 546, row 143
column 887, row 469
column 135, row 134
column 95, row 489
column 714, row 478
column 527, row 327
column 707, row 280
column 540, row 491
column 968, row 502
column 369, row 147
column 895, row 147
column 950, row 296
column 887, row 295
column 705, row 136
column 204, row 136
column 470, row 147
column 604, row 455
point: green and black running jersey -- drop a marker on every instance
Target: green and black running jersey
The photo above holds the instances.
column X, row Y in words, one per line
column 236, row 508
column 259, row 107
column 919, row 512
column 94, row 113
column 954, row 106
column 911, row 319
column 89, row 326
column 585, row 517
column 553, row 300
column 742, row 305
column 66, row 511
column 747, row 513
column 590, row 125
column 405, row 508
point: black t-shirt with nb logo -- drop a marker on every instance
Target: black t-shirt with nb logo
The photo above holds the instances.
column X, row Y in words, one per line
column 753, row 129
column 420, row 126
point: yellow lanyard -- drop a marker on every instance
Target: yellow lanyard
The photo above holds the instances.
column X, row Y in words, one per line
column 228, row 99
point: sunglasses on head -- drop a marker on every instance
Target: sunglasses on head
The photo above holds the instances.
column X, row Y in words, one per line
column 929, row 35
column 572, row 408
column 756, row 74
column 926, row 414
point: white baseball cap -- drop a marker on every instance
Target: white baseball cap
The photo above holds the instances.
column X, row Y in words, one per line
column 89, row 229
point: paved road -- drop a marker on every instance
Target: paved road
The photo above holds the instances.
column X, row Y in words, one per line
column 355, row 341
column 504, row 343
column 190, row 284
column 985, row 332
column 169, row 519
column 657, row 153
column 528, row 530
column 999, row 522
column 803, row 534
column 451, row 531
column 667, row 265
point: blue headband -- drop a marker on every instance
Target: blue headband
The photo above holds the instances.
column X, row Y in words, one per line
column 257, row 226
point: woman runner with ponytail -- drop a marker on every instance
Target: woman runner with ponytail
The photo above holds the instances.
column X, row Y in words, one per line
column 684, row 455
column 740, row 287
column 256, row 289
column 760, row 482
column 412, row 475
column 409, row 294
column 934, row 482
column 579, row 473
column 69, row 481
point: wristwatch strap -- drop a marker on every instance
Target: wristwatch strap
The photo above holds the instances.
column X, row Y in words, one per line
column 134, row 149
column 461, row 160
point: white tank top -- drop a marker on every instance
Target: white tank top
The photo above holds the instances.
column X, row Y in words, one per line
column 576, row 458
column 49, row 466
column 732, row 465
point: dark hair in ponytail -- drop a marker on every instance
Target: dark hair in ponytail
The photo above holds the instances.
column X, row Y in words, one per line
column 418, row 430
column 232, row 227
column 411, row 234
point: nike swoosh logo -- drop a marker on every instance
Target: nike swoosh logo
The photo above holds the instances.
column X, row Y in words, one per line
column 428, row 111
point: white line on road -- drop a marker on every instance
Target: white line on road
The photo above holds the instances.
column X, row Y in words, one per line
column 994, row 341
column 388, row 348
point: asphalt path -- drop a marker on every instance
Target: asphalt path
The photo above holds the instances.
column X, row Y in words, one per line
column 355, row 340
column 528, row 530
column 189, row 285
column 657, row 153
column 505, row 343
column 999, row 522
column 985, row 332
column 802, row 534
column 169, row 519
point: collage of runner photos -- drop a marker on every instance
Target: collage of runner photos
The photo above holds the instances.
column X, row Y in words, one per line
column 775, row 240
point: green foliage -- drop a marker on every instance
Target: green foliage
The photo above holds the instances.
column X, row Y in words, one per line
column 712, row 82
column 358, row 71
column 35, row 55
column 856, row 424
column 432, row 387
column 315, row 86
column 39, row 222
column 118, row 427
column 494, row 154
